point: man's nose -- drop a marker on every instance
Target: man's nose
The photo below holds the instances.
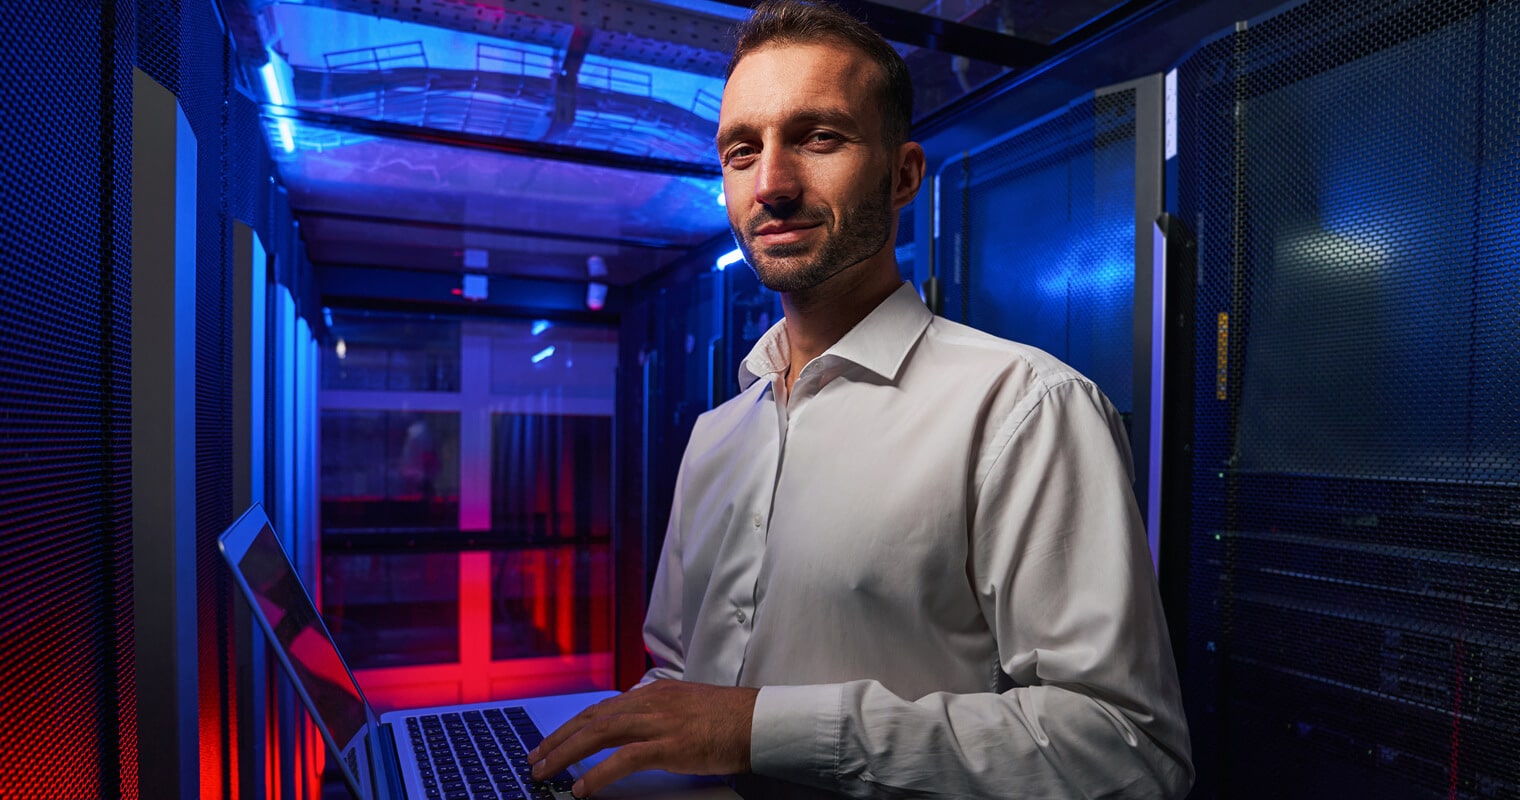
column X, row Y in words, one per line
column 777, row 180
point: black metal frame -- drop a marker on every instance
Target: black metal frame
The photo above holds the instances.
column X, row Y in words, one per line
column 1181, row 270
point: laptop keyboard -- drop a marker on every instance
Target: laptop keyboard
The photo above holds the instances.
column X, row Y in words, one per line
column 480, row 755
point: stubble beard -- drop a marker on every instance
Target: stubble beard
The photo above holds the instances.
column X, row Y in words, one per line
column 861, row 232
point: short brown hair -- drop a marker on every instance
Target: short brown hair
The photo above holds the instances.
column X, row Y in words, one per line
column 803, row 22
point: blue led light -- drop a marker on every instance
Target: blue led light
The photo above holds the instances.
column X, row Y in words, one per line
column 274, row 87
column 543, row 354
column 539, row 326
column 722, row 199
column 733, row 256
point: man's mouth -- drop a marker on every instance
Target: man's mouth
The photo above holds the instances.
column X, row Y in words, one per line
column 774, row 233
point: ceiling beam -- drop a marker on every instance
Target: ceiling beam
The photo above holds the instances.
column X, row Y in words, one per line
column 495, row 144
column 455, row 227
column 939, row 34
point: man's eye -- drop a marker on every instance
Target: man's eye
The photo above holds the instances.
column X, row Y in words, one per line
column 741, row 153
column 822, row 137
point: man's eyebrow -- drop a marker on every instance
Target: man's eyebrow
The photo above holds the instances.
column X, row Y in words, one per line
column 831, row 117
column 733, row 133
column 810, row 117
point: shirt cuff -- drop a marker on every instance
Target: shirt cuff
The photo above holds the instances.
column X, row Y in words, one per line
column 795, row 733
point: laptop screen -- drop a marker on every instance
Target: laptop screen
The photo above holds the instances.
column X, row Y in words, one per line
column 303, row 637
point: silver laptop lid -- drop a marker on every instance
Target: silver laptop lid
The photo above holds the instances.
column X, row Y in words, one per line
column 289, row 618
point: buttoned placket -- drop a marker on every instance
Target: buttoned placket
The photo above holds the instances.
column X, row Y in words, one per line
column 745, row 607
column 787, row 414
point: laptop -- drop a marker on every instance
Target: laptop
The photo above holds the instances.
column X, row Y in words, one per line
column 474, row 751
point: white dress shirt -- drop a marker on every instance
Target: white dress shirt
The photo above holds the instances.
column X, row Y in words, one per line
column 930, row 559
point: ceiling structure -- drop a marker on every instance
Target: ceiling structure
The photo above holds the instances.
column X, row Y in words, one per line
column 522, row 138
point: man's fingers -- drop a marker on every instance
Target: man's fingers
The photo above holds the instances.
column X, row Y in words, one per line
column 624, row 761
column 690, row 728
column 570, row 728
column 598, row 734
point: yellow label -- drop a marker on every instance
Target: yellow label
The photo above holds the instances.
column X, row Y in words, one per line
column 1222, row 359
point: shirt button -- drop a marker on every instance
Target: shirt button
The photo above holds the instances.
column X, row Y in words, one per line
column 757, row 519
column 739, row 615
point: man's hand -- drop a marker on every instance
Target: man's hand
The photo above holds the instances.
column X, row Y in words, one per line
column 690, row 728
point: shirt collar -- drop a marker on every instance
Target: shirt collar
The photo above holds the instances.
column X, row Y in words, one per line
column 879, row 343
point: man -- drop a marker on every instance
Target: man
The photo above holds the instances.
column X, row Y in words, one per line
column 918, row 541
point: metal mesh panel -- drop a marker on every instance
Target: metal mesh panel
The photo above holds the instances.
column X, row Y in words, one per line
column 158, row 35
column 1049, row 215
column 252, row 170
column 66, row 719
column 1349, row 171
column 119, row 305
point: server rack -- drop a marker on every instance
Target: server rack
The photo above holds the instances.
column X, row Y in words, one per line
column 1353, row 610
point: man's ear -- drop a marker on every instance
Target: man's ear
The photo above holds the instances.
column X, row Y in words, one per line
column 907, row 173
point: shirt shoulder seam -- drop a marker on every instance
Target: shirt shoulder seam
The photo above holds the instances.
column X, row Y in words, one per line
column 1045, row 390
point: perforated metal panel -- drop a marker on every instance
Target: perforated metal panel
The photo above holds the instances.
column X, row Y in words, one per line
column 1350, row 172
column 1037, row 239
column 67, row 720
column 123, row 55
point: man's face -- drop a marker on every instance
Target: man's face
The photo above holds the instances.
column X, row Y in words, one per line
column 806, row 174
